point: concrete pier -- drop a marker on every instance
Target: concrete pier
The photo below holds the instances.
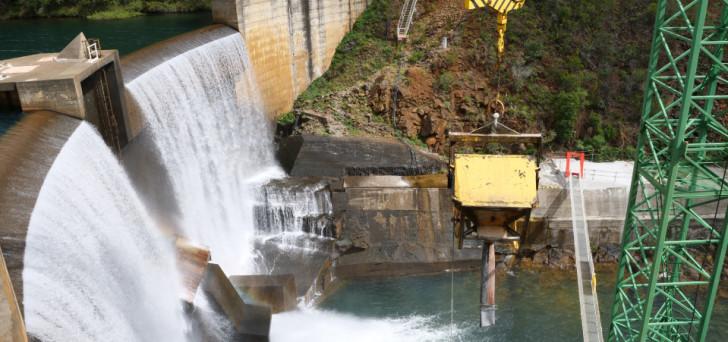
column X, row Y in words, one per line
column 71, row 83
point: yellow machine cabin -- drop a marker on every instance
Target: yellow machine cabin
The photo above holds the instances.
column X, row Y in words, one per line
column 494, row 179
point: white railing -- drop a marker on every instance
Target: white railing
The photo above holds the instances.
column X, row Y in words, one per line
column 93, row 52
column 586, row 277
column 405, row 18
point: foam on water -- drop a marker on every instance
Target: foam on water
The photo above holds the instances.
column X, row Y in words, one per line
column 206, row 117
column 96, row 269
column 309, row 324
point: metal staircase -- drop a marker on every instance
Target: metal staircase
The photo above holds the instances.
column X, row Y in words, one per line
column 590, row 320
column 405, row 18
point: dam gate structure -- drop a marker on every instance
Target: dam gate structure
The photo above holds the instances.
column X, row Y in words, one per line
column 82, row 81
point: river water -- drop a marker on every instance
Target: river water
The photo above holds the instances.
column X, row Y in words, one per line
column 29, row 36
column 532, row 306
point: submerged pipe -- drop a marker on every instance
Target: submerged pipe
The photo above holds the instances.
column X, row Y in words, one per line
column 487, row 285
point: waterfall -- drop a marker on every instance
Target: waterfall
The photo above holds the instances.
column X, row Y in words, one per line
column 206, row 118
column 294, row 212
column 95, row 267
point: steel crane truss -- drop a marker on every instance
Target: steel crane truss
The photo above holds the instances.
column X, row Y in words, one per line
column 674, row 240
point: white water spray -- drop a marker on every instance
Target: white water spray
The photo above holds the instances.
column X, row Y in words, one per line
column 294, row 215
column 96, row 269
column 320, row 325
column 207, row 120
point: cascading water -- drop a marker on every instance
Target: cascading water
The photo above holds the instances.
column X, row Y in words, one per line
column 206, row 118
column 293, row 213
column 96, row 269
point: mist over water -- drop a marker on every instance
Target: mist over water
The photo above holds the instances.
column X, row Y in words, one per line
column 206, row 118
column 96, row 269
column 329, row 326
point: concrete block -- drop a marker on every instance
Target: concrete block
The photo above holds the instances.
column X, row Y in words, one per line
column 382, row 199
column 275, row 291
column 63, row 96
column 248, row 320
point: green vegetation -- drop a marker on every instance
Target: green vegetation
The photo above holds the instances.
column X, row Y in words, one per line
column 445, row 82
column 573, row 70
column 286, row 118
column 115, row 13
column 96, row 9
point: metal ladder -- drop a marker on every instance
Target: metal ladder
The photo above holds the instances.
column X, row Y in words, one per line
column 405, row 19
column 590, row 321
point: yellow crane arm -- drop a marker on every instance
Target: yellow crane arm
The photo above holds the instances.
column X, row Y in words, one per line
column 502, row 7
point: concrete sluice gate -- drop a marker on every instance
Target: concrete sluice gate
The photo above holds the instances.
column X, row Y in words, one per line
column 128, row 232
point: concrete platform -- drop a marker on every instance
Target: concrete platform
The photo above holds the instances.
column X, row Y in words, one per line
column 276, row 291
column 78, row 82
column 251, row 322
column 45, row 82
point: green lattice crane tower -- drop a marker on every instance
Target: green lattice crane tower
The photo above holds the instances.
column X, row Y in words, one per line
column 674, row 240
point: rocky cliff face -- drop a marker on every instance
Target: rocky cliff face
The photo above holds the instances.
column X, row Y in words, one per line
column 568, row 83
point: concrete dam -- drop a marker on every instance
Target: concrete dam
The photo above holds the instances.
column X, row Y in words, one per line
column 57, row 229
column 147, row 197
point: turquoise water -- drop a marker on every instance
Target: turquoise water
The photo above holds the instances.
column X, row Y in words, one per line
column 28, row 36
column 531, row 306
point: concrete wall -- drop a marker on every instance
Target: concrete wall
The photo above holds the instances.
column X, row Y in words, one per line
column 291, row 42
column 396, row 225
column 605, row 211
column 12, row 327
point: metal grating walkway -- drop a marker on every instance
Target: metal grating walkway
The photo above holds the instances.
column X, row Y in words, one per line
column 590, row 321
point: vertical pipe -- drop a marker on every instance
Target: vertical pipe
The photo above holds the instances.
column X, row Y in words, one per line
column 487, row 285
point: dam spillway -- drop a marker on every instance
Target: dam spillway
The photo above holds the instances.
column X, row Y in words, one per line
column 205, row 118
column 95, row 267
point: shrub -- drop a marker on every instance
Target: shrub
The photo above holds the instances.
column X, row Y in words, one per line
column 567, row 105
column 445, row 81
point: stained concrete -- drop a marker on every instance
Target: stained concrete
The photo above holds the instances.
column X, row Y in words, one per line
column 276, row 291
column 318, row 156
column 12, row 327
column 27, row 152
column 397, row 225
column 291, row 42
